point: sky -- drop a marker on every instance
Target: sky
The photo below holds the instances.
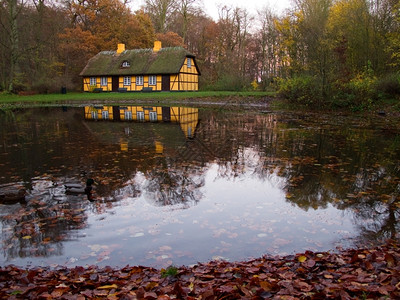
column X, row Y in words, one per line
column 211, row 6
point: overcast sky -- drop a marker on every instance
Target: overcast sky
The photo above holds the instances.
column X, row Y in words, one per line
column 211, row 6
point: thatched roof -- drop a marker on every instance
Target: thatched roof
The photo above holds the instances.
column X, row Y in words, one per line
column 141, row 61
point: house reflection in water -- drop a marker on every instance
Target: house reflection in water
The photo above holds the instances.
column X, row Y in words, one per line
column 186, row 117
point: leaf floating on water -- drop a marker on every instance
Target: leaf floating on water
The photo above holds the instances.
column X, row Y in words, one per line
column 219, row 258
column 165, row 248
column 26, row 237
column 302, row 258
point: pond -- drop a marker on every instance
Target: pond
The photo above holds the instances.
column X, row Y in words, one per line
column 181, row 185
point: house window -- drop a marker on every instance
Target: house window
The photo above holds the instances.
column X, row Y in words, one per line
column 140, row 115
column 92, row 80
column 189, row 62
column 127, row 80
column 139, row 80
column 152, row 80
column 94, row 115
column 126, row 64
column 153, row 116
column 103, row 81
column 104, row 115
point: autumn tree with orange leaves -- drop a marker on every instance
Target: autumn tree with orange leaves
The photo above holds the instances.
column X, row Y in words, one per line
column 101, row 25
column 339, row 52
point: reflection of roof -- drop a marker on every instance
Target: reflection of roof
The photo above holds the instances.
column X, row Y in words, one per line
column 141, row 61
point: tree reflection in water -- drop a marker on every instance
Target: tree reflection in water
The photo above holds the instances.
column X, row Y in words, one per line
column 318, row 161
column 38, row 227
column 171, row 187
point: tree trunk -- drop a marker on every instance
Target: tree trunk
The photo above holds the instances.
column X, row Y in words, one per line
column 13, row 14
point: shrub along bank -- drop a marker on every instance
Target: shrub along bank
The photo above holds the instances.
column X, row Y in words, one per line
column 362, row 93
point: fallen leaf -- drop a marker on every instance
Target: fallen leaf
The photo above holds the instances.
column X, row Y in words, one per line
column 105, row 287
column 309, row 263
column 390, row 260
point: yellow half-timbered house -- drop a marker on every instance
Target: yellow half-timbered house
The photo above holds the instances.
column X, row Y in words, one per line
column 157, row 69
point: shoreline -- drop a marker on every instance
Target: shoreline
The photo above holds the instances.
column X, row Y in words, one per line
column 350, row 274
column 265, row 102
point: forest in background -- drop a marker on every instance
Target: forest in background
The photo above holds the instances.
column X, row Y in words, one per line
column 344, row 53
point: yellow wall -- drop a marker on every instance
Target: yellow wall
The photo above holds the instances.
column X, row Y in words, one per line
column 88, row 88
column 187, row 79
column 134, row 87
column 191, row 70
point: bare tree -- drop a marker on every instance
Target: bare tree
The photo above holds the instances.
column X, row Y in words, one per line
column 187, row 9
column 160, row 12
column 268, row 40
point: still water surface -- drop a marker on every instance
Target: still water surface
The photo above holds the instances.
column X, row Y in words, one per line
column 187, row 185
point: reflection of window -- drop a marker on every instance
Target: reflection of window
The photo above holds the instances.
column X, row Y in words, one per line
column 153, row 116
column 128, row 115
column 92, row 80
column 127, row 80
column 189, row 132
column 103, row 81
column 139, row 80
column 189, row 62
column 126, row 64
column 140, row 115
column 104, row 115
column 124, row 146
column 94, row 115
column 152, row 80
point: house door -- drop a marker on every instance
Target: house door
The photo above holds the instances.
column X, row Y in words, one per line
column 165, row 83
column 115, row 83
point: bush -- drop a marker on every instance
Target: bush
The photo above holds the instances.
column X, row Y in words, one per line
column 19, row 87
column 359, row 93
column 228, row 82
column 305, row 90
column 268, row 84
column 389, row 85
column 41, row 87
